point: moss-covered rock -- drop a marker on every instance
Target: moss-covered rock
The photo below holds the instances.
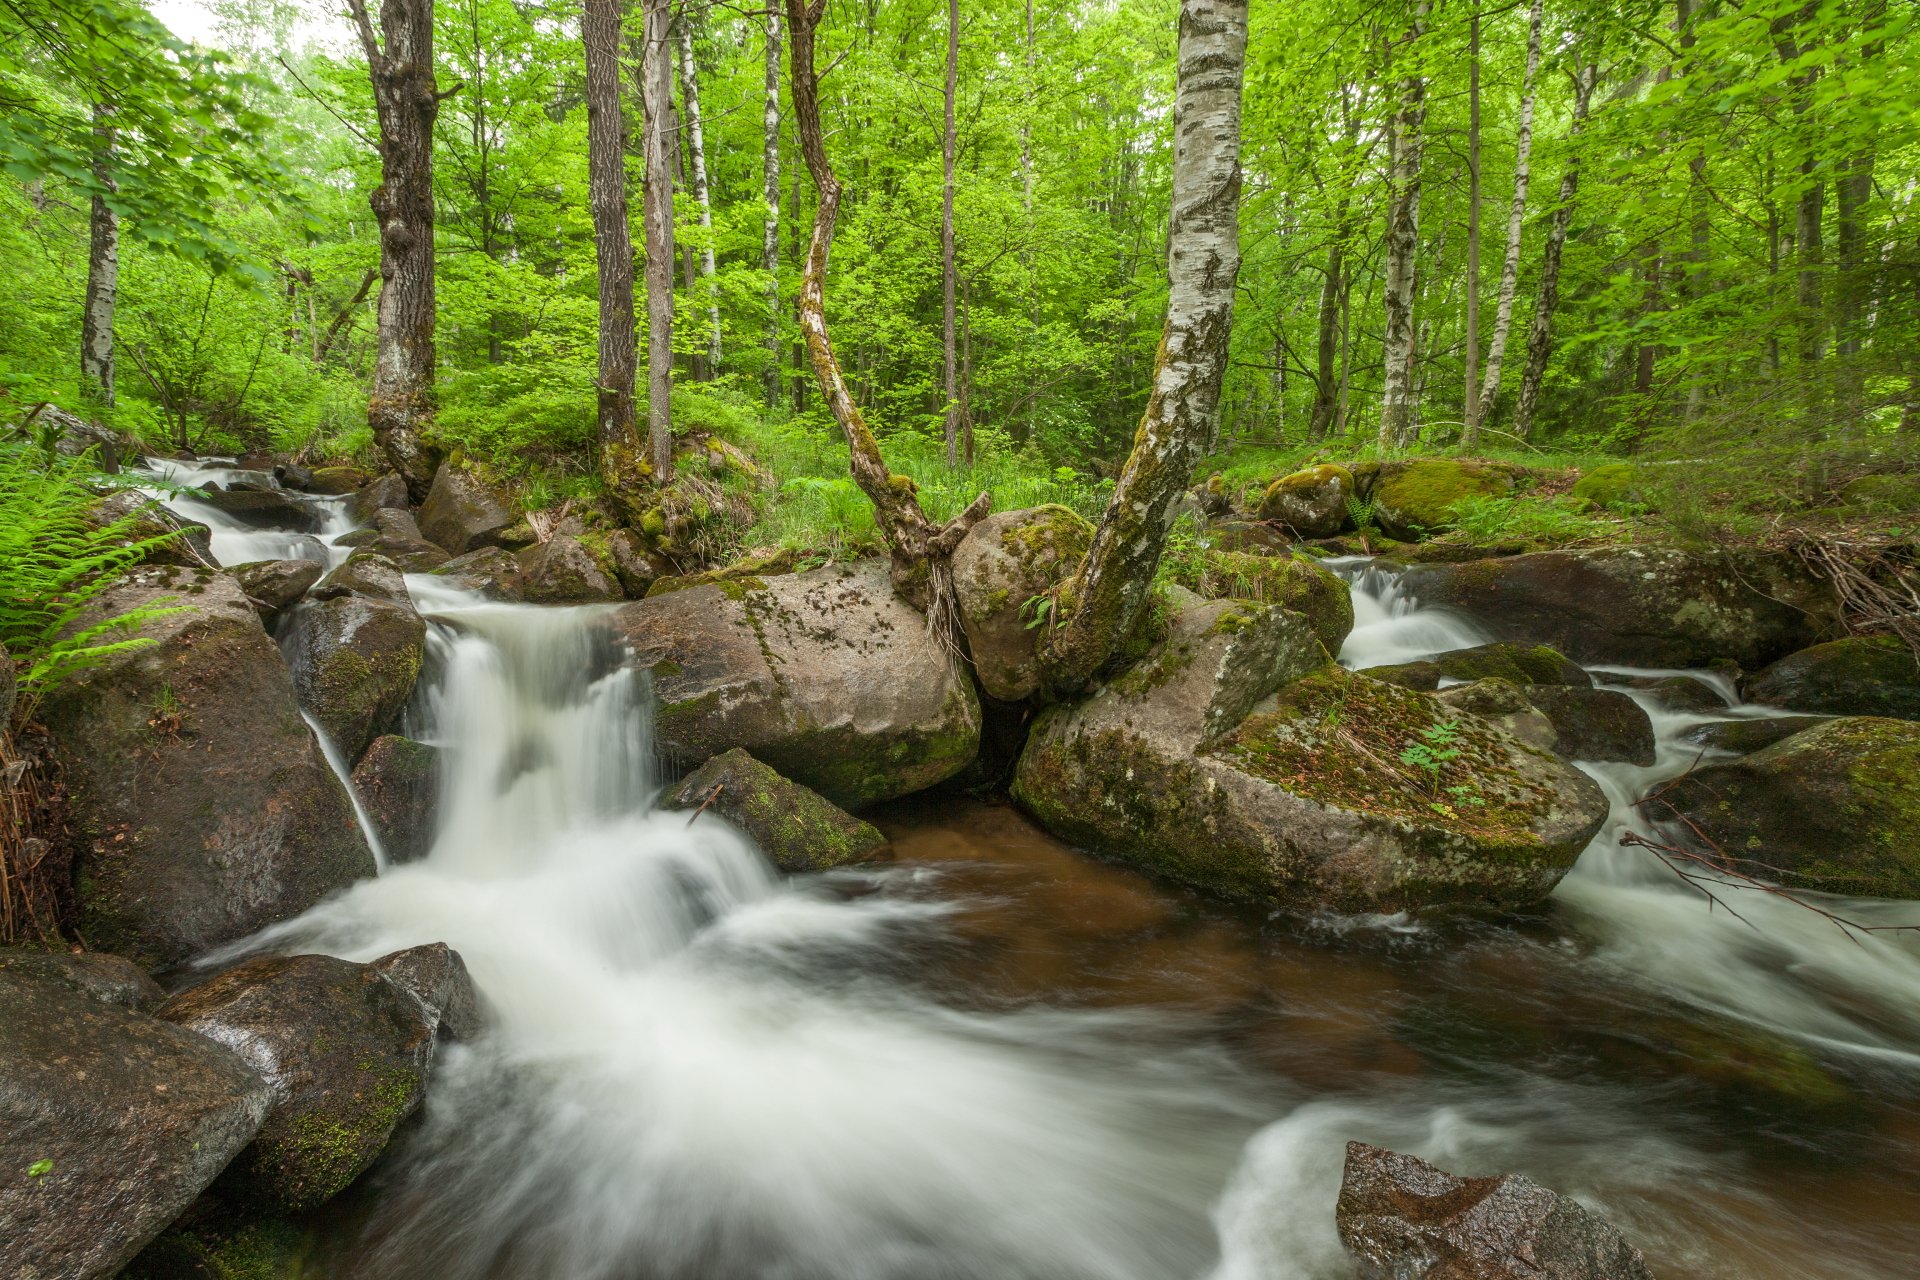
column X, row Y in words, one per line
column 1595, row 724
column 1503, row 704
column 337, row 481
column 826, row 676
column 488, row 571
column 399, row 784
column 346, row 1052
column 1610, row 485
column 367, row 574
column 1312, row 503
column 1639, row 606
column 635, row 565
column 1835, row 807
column 798, row 829
column 212, row 1244
column 1294, row 581
column 392, row 532
column 1001, row 570
column 1257, row 537
column 1414, row 500
column 1516, row 663
column 1743, row 737
column 1856, row 676
column 274, row 585
column 354, row 661
column 176, row 539
column 202, row 807
column 744, row 574
column 462, row 512
column 561, row 571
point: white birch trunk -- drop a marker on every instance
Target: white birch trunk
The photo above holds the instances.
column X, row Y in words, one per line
column 697, row 164
column 770, row 233
column 1522, row 174
column 656, row 87
column 103, row 272
column 1403, row 246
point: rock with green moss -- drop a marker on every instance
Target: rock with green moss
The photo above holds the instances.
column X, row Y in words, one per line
column 745, row 573
column 1317, row 799
column 488, row 571
column 392, row 532
column 826, row 676
column 1743, row 737
column 111, row 1124
column 1414, row 500
column 1255, row 536
column 1312, row 503
column 561, row 571
column 1503, row 704
column 355, row 661
column 462, row 512
column 1595, row 724
column 367, row 574
column 1295, row 581
column 202, row 809
column 798, row 829
column 1648, row 607
column 1517, row 663
column 346, row 1052
column 276, row 585
column 1856, row 676
column 1834, row 808
column 213, row 1242
column 635, row 565
column 337, row 481
column 1002, row 571
column 139, row 519
column 1610, row 485
column 398, row 781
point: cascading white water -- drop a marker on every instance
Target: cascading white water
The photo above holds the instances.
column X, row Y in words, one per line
column 234, row 541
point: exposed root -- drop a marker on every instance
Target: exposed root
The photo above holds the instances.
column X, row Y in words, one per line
column 36, row 889
column 1875, row 580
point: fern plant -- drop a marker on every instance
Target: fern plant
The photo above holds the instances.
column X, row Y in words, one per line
column 55, row 563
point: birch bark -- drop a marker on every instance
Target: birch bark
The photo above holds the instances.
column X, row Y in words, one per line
column 770, row 232
column 697, row 164
column 103, row 269
column 1403, row 246
column 656, row 91
column 1516, row 217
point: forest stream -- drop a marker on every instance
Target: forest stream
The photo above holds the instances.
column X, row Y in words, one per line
column 1002, row 1057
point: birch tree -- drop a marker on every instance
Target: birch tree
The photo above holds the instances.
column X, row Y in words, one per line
column 948, row 145
column 600, row 31
column 1403, row 244
column 1516, row 219
column 697, row 171
column 103, row 268
column 770, row 188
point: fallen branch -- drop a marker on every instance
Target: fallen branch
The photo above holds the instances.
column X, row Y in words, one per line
column 712, row 795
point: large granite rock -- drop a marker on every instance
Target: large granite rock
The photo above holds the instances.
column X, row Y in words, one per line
column 828, row 677
column 562, row 571
column 275, row 585
column 1415, row 499
column 108, row 979
column 1856, row 676
column 1404, row 1219
column 263, row 508
column 1835, row 807
column 354, row 661
column 346, row 1053
column 462, row 513
column 202, row 805
column 399, row 784
column 797, row 829
column 111, row 1123
column 1638, row 607
column 1002, row 564
column 1312, row 503
column 1516, row 663
column 489, row 571
column 1304, row 799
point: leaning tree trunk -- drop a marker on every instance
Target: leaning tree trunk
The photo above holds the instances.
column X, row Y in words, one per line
column 1540, row 332
column 1516, row 219
column 921, row 550
column 950, row 356
column 697, row 167
column 656, row 91
column 612, row 243
column 406, row 101
column 103, row 269
column 1099, row 607
column 1403, row 246
column 770, row 233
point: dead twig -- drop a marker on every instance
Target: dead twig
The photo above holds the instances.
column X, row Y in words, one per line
column 712, row 795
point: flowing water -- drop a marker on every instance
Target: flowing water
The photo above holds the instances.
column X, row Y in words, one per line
column 1001, row 1058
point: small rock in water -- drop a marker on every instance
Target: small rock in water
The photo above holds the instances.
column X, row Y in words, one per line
column 796, row 828
column 1517, row 663
column 1596, row 724
column 1857, row 676
column 1404, row 1219
column 399, row 784
column 1742, row 737
column 436, row 976
column 490, row 571
column 273, row 585
column 368, row 574
column 346, row 1051
column 108, row 979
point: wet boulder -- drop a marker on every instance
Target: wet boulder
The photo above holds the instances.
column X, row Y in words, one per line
column 1676, row 693
column 1296, row 582
column 1834, row 808
column 202, row 806
column 562, row 571
column 1595, row 724
column 1743, row 737
column 1505, row 705
column 462, row 512
column 1413, row 500
column 436, row 976
column 111, row 1124
column 275, row 585
column 170, row 538
column 1638, row 606
column 398, row 780
column 488, row 571
column 366, row 574
column 1312, row 503
column 1312, row 798
column 636, row 565
column 796, row 828
column 263, row 508
column 1000, row 570
column 355, row 660
column 392, row 533
column 336, row 482
column 1515, row 663
column 1404, row 1219
column 827, row 677
column 388, row 493
column 345, row 1052
column 1856, row 676
column 108, row 979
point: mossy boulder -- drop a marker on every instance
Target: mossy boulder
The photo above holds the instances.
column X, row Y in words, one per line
column 337, row 481
column 354, row 660
column 826, row 676
column 202, row 807
column 488, row 571
column 367, row 574
column 1296, row 582
column 108, row 979
column 798, row 830
column 746, row 571
column 462, row 512
column 1503, row 704
column 393, row 533
column 1610, row 485
column 1312, row 503
column 562, row 571
column 1595, row 724
column 346, row 1052
column 388, row 493
column 1856, row 676
column 636, row 565
column 1006, row 561
column 274, row 585
column 1518, row 664
column 1743, row 737
column 1414, row 500
column 1308, row 802
column 111, row 1124
column 1835, row 807
column 214, row 1242
column 1255, row 536
column 398, row 780
column 1639, row 606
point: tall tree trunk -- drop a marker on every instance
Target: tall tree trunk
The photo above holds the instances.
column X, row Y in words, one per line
column 1099, row 607
column 1540, row 331
column 1470, row 407
column 656, row 91
column 1516, row 218
column 697, row 163
column 921, row 551
column 1326, row 346
column 770, row 232
column 1403, row 246
column 619, row 441
column 948, row 145
column 406, row 101
column 103, row 269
